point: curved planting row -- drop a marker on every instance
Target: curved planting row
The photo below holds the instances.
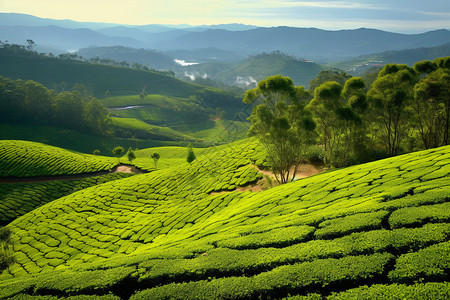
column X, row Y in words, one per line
column 28, row 159
column 17, row 199
column 371, row 231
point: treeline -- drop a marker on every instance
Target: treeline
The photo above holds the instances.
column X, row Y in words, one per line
column 405, row 109
column 29, row 102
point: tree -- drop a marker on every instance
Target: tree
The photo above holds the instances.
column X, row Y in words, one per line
column 356, row 121
column 97, row 116
column 37, row 102
column 281, row 123
column 190, row 154
column 431, row 107
column 336, row 112
column 155, row 157
column 324, row 105
column 328, row 75
column 69, row 109
column 389, row 97
column 424, row 67
column 130, row 154
column 97, row 152
column 118, row 151
column 30, row 45
column 6, row 258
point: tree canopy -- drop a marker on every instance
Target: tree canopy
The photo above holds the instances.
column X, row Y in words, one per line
column 281, row 123
column 30, row 102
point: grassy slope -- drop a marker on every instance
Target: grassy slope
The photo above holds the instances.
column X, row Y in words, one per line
column 156, row 109
column 97, row 78
column 382, row 223
column 174, row 156
column 169, row 157
column 155, row 132
column 29, row 159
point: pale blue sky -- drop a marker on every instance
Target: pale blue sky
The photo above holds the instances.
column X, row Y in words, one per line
column 392, row 15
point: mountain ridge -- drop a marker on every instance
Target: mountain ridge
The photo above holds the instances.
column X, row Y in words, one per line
column 311, row 43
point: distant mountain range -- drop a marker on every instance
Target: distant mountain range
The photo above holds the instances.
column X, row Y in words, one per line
column 409, row 57
column 309, row 43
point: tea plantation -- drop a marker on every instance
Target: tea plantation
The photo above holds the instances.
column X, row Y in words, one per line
column 374, row 231
column 29, row 159
column 17, row 199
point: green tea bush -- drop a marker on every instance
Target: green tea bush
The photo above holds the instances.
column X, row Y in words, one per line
column 420, row 291
column 222, row 262
column 78, row 297
column 340, row 226
column 432, row 263
column 16, row 199
column 276, row 282
column 307, row 297
column 274, row 238
column 417, row 215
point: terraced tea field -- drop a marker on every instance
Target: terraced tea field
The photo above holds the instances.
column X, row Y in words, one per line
column 30, row 159
column 374, row 231
column 16, row 199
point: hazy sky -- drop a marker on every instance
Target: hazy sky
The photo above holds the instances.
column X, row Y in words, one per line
column 392, row 15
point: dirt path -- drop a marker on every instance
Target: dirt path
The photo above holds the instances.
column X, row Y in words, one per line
column 303, row 171
column 117, row 169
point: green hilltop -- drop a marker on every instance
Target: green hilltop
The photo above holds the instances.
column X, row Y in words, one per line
column 259, row 67
column 98, row 78
column 373, row 231
column 29, row 159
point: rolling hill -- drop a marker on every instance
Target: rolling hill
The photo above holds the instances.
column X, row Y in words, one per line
column 74, row 140
column 29, row 159
column 168, row 101
column 32, row 174
column 372, row 231
column 248, row 72
column 151, row 58
column 96, row 77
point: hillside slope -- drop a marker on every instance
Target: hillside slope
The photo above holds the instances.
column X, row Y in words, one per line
column 30, row 159
column 164, row 235
column 19, row 198
column 258, row 67
column 99, row 79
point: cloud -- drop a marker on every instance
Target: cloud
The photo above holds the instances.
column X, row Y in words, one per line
column 437, row 14
column 183, row 63
column 245, row 81
column 335, row 4
column 192, row 76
